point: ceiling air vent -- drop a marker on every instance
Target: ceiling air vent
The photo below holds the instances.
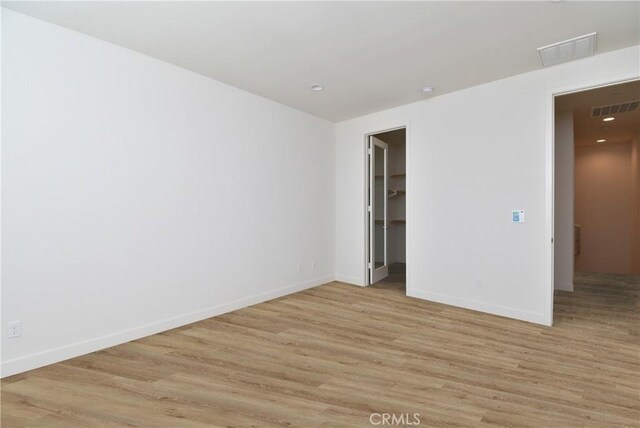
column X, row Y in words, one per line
column 569, row 50
column 625, row 107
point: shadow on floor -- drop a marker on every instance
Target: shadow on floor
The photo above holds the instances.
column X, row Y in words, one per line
column 397, row 279
column 607, row 304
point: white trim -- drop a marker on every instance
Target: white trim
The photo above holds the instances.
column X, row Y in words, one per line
column 549, row 187
column 33, row 361
column 408, row 205
column 350, row 280
column 563, row 286
column 504, row 311
column 1, row 209
column 405, row 126
column 367, row 207
column 550, row 169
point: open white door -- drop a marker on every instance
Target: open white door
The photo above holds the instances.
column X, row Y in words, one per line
column 377, row 207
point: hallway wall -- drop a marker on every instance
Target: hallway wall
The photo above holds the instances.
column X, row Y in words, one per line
column 606, row 208
column 635, row 189
column 563, row 205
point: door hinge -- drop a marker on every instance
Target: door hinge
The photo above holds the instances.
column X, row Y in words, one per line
column 369, row 208
column 369, row 265
column 369, row 150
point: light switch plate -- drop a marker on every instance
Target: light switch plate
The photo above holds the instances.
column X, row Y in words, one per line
column 517, row 216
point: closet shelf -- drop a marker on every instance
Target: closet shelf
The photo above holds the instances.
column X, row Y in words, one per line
column 397, row 174
column 392, row 221
column 395, row 192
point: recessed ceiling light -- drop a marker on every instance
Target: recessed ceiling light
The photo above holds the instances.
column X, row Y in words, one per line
column 317, row 88
column 427, row 89
column 608, row 119
column 600, row 141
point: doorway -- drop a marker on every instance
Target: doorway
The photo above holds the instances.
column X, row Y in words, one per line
column 597, row 191
column 386, row 209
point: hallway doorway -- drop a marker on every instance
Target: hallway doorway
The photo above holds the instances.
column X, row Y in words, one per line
column 597, row 195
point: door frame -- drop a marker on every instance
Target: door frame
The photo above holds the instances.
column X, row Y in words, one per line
column 549, row 174
column 365, row 190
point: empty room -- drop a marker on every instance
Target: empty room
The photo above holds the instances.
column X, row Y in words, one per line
column 320, row 214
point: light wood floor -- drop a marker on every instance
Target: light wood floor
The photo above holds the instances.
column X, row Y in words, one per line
column 330, row 356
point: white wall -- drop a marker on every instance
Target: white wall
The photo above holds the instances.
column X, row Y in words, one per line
column 563, row 230
column 472, row 157
column 138, row 196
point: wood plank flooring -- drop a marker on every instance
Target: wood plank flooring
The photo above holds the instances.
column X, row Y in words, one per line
column 332, row 355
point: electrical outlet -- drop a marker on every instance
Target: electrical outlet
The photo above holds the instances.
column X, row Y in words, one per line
column 477, row 284
column 313, row 265
column 299, row 267
column 14, row 329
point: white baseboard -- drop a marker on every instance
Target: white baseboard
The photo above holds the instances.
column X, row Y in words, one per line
column 33, row 361
column 563, row 286
column 350, row 280
column 504, row 311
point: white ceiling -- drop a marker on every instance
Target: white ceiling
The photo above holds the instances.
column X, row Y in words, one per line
column 370, row 56
column 587, row 130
